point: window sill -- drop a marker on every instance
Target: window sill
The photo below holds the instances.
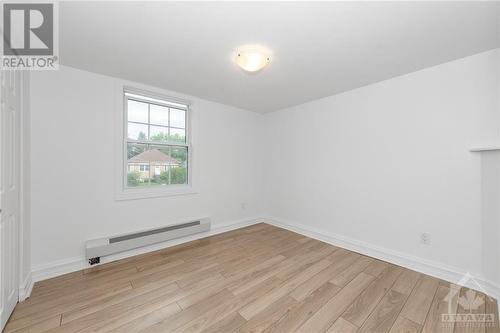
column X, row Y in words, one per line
column 481, row 149
column 138, row 193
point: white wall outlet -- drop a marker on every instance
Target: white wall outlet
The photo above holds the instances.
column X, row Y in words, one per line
column 243, row 206
column 425, row 238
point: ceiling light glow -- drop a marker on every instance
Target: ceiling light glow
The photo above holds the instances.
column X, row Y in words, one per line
column 252, row 61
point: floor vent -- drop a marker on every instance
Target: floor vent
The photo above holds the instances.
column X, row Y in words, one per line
column 105, row 246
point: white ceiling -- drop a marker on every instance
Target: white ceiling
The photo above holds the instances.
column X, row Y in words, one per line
column 318, row 49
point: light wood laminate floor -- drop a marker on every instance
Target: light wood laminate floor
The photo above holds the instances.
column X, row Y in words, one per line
column 259, row 278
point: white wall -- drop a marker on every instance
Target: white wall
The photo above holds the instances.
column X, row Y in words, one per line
column 73, row 197
column 385, row 162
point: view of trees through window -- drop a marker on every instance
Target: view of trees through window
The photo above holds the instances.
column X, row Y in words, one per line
column 157, row 150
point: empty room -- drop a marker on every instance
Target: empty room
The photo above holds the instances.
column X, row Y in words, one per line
column 250, row 166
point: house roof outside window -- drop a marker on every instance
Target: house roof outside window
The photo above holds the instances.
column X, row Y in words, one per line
column 154, row 155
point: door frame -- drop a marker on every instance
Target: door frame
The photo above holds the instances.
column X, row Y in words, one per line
column 24, row 281
column 10, row 157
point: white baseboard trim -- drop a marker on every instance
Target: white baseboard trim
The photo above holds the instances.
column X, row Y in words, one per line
column 26, row 287
column 57, row 268
column 69, row 265
column 432, row 268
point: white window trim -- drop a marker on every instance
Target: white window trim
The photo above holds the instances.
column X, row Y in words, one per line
column 122, row 192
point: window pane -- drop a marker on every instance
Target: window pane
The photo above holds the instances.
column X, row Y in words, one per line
column 177, row 135
column 134, row 149
column 177, row 118
column 135, row 165
column 162, row 164
column 155, row 162
column 178, row 173
column 162, row 152
column 158, row 134
column 137, row 111
column 180, row 154
column 168, row 164
column 158, row 115
column 159, row 168
column 149, row 165
column 137, row 131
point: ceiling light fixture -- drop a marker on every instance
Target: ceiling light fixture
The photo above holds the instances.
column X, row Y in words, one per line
column 252, row 61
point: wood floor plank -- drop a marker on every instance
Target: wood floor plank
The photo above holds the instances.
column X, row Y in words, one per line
column 337, row 255
column 91, row 290
column 403, row 325
column 137, row 324
column 100, row 305
column 154, row 299
column 238, row 284
column 444, row 303
column 170, row 275
column 39, row 303
column 383, row 317
column 309, row 286
column 86, row 281
column 235, row 266
column 110, row 324
column 406, row 282
column 30, row 316
column 272, row 314
column 205, row 288
column 185, row 316
column 420, row 299
column 303, row 239
column 342, row 326
column 226, row 308
column 304, row 310
column 364, row 304
column 256, row 275
column 350, row 272
column 259, row 278
column 39, row 327
column 385, row 314
column 115, row 271
column 228, row 324
column 58, row 279
column 283, row 289
column 295, row 250
column 376, row 267
column 299, row 262
column 332, row 310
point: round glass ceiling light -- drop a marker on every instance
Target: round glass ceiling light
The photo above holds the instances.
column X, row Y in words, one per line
column 252, row 61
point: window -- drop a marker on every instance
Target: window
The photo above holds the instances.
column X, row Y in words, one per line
column 156, row 141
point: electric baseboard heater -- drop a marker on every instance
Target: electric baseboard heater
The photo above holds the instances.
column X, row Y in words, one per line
column 97, row 248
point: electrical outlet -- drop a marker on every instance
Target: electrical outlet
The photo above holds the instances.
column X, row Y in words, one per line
column 425, row 238
column 243, row 206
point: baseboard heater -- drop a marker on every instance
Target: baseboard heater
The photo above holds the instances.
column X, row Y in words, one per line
column 97, row 248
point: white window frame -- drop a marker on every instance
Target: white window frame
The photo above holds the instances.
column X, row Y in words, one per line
column 123, row 192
